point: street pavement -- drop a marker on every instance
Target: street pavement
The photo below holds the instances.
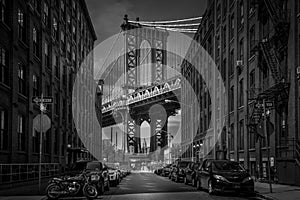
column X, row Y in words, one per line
column 148, row 186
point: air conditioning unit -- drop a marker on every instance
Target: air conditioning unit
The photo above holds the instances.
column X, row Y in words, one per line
column 298, row 70
column 239, row 63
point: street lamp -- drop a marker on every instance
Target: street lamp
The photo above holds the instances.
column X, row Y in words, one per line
column 191, row 121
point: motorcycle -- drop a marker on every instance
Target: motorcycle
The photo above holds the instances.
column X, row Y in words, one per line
column 71, row 186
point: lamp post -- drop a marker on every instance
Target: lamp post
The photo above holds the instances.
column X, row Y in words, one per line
column 169, row 138
column 191, row 121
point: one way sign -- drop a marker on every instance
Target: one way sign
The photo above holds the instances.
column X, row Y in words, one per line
column 42, row 99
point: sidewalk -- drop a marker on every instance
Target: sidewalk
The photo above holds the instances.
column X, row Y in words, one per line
column 280, row 192
column 23, row 198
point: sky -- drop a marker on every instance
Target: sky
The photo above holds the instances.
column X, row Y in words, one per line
column 107, row 16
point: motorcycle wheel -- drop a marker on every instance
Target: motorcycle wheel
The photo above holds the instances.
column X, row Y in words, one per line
column 53, row 188
column 90, row 191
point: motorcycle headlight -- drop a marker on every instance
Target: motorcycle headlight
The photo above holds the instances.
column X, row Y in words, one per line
column 95, row 177
column 221, row 178
column 247, row 179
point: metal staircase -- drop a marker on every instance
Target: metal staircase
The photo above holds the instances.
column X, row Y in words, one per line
column 272, row 60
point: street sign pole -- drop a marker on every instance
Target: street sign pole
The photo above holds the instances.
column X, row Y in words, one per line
column 267, row 144
column 41, row 143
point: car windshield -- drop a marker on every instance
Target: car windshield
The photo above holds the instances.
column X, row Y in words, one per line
column 93, row 166
column 183, row 164
column 79, row 166
column 227, row 166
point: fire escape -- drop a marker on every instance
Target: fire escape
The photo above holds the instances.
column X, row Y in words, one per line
column 270, row 49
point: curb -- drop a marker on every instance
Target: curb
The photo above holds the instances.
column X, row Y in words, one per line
column 264, row 196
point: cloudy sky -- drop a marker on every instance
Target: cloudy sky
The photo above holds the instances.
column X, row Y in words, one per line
column 107, row 15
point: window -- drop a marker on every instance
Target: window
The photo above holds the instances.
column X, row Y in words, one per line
column 252, row 136
column 74, row 6
column 224, row 7
column 46, row 54
column 62, row 6
column 3, row 129
column 21, row 25
column 21, row 133
column 231, row 137
column 3, row 66
column 224, row 37
column 68, row 51
column 3, row 10
column 252, row 79
column 55, row 66
column 35, row 39
column 241, row 92
column 63, row 144
column 241, row 135
column 35, row 85
column 231, row 100
column 232, row 64
column 63, row 44
column 241, row 51
column 22, row 78
column 223, row 70
column 241, row 12
column 37, row 5
column 252, row 40
column 69, row 22
column 57, row 103
column 46, row 14
column 55, row 28
column 231, row 27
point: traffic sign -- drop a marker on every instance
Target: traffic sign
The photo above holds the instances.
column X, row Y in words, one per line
column 42, row 100
column 42, row 123
column 269, row 104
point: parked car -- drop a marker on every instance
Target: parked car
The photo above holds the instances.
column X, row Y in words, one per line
column 114, row 176
column 190, row 173
column 177, row 173
column 91, row 167
column 158, row 171
column 166, row 170
column 224, row 175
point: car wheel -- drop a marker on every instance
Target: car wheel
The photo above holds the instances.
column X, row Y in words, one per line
column 107, row 186
column 193, row 182
column 199, row 185
column 101, row 189
column 185, row 181
column 210, row 188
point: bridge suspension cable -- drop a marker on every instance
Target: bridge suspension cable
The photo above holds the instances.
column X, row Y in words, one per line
column 170, row 21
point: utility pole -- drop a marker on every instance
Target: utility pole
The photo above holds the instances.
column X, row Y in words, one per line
column 266, row 116
column 42, row 108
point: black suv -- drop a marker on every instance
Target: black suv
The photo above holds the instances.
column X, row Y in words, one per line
column 91, row 167
column 177, row 173
column 224, row 175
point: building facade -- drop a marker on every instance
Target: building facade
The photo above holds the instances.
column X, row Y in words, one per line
column 43, row 43
column 255, row 46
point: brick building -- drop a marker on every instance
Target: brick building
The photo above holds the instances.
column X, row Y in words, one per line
column 43, row 43
column 255, row 45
